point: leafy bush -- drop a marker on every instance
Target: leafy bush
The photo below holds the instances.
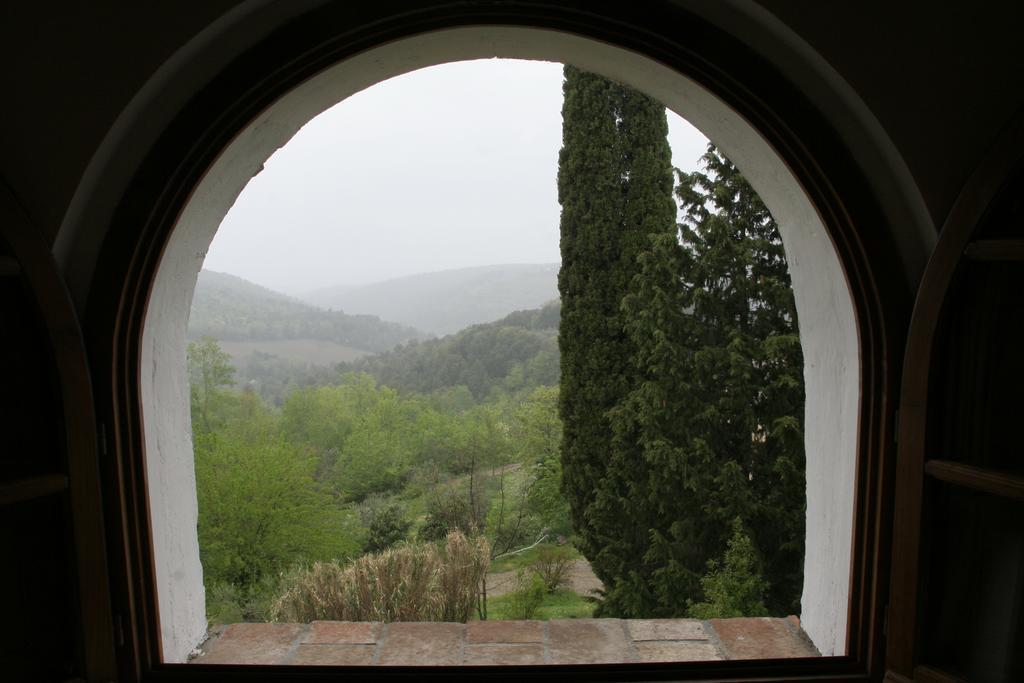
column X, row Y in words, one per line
column 224, row 604
column 527, row 597
column 447, row 512
column 552, row 566
column 415, row 582
column 387, row 526
column 227, row 603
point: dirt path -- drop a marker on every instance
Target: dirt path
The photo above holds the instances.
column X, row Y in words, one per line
column 581, row 580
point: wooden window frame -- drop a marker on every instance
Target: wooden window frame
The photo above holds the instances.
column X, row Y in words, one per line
column 915, row 465
column 788, row 119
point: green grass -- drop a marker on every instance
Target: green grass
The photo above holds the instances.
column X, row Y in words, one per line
column 562, row 604
column 525, row 559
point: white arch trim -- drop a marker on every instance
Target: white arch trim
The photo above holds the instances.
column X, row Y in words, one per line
column 828, row 330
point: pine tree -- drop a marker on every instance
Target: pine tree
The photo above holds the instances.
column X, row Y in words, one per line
column 732, row 587
column 713, row 426
column 615, row 188
column 747, row 371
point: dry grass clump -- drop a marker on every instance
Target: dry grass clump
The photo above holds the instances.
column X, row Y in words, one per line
column 415, row 582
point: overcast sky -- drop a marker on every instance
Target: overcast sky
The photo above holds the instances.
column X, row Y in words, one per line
column 446, row 167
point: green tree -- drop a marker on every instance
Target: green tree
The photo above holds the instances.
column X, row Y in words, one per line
column 747, row 371
column 378, row 453
column 615, row 188
column 209, row 370
column 260, row 510
column 713, row 428
column 733, row 587
column 538, row 435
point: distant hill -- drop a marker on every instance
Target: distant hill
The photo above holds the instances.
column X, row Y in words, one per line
column 520, row 351
column 231, row 309
column 447, row 301
column 311, row 351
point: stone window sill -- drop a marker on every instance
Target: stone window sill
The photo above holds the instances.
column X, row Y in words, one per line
column 482, row 643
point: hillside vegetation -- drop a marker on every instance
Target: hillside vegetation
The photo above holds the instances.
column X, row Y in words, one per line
column 517, row 352
column 447, row 301
column 229, row 308
column 356, row 480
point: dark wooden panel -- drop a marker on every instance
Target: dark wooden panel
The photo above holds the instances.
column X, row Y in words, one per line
column 50, row 363
column 32, row 487
column 949, row 403
column 33, row 439
column 40, row 615
column 977, row 478
column 973, row 621
column 926, row 674
column 9, row 267
column 995, row 250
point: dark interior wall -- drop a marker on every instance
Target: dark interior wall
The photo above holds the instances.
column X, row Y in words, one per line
column 943, row 78
column 69, row 69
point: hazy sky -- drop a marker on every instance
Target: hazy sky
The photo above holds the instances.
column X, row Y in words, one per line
column 446, row 167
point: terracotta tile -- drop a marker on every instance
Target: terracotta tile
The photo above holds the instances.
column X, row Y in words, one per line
column 251, row 644
column 494, row 655
column 676, row 651
column 584, row 641
column 504, row 632
column 760, row 638
column 421, row 644
column 324, row 632
column 333, row 655
column 666, row 629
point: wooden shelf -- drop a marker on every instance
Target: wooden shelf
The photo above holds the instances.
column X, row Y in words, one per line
column 9, row 267
column 995, row 250
column 926, row 674
column 977, row 478
column 30, row 488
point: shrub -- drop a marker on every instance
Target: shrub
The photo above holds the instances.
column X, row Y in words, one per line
column 552, row 566
column 415, row 582
column 733, row 587
column 387, row 526
column 223, row 604
column 448, row 511
column 230, row 604
column 528, row 596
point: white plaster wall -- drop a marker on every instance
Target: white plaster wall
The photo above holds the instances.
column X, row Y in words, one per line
column 828, row 331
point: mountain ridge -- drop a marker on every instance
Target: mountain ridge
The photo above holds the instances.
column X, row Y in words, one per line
column 230, row 308
column 446, row 301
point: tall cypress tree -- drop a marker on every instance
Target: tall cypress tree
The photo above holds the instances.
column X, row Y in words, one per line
column 615, row 188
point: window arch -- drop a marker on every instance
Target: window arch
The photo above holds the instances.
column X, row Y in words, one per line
column 822, row 243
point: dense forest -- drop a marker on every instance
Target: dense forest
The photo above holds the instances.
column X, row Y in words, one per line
column 517, row 352
column 229, row 308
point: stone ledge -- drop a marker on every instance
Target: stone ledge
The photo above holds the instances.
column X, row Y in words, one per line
column 481, row 643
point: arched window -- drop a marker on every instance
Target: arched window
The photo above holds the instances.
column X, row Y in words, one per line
column 256, row 107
